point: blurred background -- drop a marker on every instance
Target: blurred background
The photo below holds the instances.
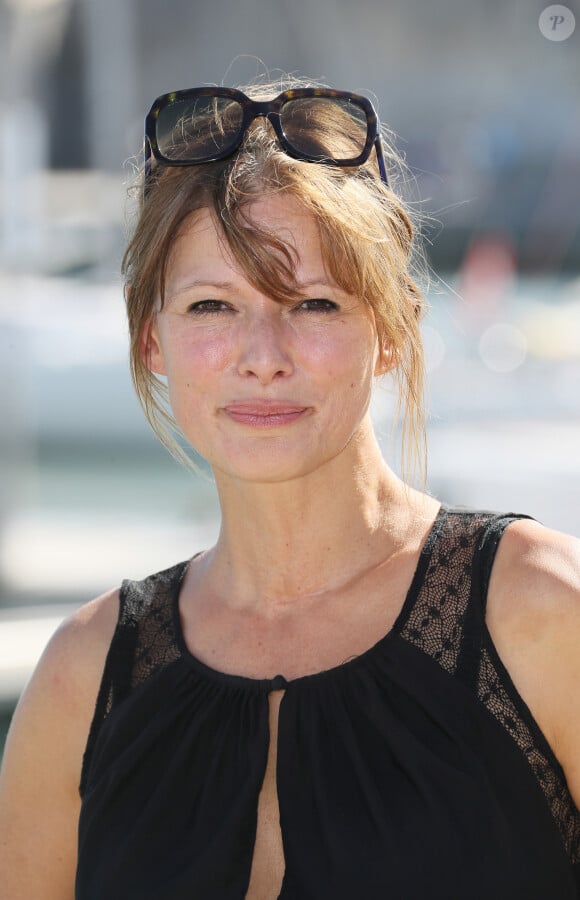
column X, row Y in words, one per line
column 484, row 96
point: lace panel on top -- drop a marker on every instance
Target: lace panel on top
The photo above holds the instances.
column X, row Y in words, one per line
column 447, row 623
column 144, row 643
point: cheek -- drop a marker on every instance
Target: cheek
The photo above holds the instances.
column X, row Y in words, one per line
column 350, row 359
column 212, row 355
column 193, row 359
column 192, row 367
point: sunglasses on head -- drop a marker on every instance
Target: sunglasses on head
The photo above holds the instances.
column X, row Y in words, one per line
column 207, row 124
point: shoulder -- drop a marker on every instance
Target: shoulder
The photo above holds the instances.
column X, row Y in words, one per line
column 67, row 677
column 536, row 573
column 534, row 619
column 73, row 661
column 43, row 756
column 74, row 656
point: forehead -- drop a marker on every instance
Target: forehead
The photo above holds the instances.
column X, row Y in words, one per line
column 202, row 244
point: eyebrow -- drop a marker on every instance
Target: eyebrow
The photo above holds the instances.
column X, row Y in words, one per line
column 203, row 282
column 230, row 285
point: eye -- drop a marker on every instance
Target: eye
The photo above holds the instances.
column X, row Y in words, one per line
column 318, row 304
column 207, row 307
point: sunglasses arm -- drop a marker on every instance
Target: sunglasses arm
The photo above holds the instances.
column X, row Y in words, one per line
column 381, row 159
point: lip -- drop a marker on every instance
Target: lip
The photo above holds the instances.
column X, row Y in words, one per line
column 265, row 413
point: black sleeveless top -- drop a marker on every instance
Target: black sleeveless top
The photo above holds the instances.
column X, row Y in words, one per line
column 414, row 770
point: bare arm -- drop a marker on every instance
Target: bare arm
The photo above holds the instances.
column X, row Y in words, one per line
column 534, row 620
column 39, row 798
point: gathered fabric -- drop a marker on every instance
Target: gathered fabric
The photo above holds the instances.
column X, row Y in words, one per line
column 412, row 770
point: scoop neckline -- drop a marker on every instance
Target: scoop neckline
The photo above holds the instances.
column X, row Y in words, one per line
column 279, row 681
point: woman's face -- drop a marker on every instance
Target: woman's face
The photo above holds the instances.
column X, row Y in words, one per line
column 263, row 391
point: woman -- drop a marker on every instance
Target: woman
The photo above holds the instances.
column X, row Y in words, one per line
column 357, row 692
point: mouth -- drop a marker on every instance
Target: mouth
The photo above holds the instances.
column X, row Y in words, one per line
column 265, row 414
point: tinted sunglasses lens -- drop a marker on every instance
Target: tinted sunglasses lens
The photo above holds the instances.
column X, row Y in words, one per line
column 199, row 129
column 304, row 119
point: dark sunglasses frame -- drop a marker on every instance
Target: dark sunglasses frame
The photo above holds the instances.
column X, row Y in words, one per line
column 270, row 109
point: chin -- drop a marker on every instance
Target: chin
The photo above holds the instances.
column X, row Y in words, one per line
column 255, row 473
column 268, row 466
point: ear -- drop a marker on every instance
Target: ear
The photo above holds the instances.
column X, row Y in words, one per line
column 150, row 347
column 386, row 360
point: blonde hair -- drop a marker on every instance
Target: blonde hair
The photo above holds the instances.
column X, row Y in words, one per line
column 368, row 244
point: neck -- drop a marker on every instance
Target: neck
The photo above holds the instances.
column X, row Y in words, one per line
column 290, row 542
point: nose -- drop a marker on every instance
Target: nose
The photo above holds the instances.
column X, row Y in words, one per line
column 265, row 347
